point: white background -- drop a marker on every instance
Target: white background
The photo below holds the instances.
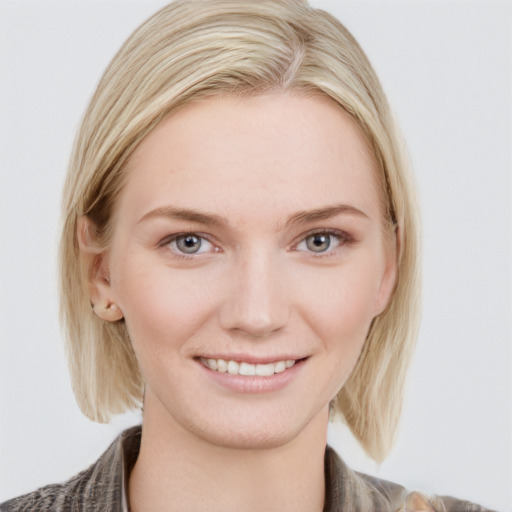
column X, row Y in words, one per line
column 446, row 67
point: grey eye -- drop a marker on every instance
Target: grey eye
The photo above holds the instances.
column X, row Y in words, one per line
column 319, row 242
column 189, row 244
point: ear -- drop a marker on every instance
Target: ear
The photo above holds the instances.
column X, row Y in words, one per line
column 95, row 260
column 392, row 246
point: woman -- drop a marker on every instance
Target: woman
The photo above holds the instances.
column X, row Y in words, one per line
column 229, row 224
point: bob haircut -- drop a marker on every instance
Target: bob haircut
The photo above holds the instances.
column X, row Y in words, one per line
column 193, row 49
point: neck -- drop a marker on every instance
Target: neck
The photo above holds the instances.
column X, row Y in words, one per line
column 178, row 471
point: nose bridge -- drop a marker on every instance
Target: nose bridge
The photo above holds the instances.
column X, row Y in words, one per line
column 257, row 303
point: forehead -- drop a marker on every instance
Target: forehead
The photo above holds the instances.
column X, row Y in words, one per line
column 270, row 153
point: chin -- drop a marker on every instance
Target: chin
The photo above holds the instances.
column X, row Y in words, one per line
column 244, row 422
column 253, row 438
column 255, row 429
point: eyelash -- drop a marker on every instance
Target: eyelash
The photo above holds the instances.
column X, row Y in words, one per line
column 167, row 241
column 342, row 237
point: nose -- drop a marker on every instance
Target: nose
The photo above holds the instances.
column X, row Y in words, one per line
column 256, row 303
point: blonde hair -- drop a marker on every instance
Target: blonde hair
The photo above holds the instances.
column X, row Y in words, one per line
column 197, row 48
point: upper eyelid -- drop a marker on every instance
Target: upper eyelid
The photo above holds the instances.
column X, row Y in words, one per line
column 166, row 241
column 343, row 235
column 344, row 240
column 170, row 238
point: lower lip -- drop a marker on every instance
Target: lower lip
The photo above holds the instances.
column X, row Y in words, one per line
column 254, row 383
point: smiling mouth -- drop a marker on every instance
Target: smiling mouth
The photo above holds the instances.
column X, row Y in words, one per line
column 247, row 369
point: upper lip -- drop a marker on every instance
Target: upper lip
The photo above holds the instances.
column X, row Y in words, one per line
column 246, row 358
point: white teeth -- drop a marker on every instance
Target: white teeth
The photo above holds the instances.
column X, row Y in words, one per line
column 247, row 369
column 280, row 367
column 265, row 370
column 233, row 368
column 222, row 366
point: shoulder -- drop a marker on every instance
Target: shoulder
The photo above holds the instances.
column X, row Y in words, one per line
column 348, row 490
column 56, row 497
column 99, row 487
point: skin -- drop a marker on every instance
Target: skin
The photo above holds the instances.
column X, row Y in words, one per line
column 268, row 171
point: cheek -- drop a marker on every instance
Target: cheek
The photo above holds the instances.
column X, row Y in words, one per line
column 339, row 310
column 163, row 308
column 341, row 302
column 344, row 322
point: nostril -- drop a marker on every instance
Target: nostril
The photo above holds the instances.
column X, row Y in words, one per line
column 256, row 320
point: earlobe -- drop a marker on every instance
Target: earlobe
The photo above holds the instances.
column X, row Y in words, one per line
column 109, row 311
column 95, row 264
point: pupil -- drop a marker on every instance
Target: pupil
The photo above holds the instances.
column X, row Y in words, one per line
column 189, row 243
column 319, row 243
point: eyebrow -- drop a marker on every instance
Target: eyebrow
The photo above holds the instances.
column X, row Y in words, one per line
column 211, row 219
column 208, row 219
column 327, row 212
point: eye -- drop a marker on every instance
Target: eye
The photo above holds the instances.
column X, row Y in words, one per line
column 320, row 242
column 190, row 243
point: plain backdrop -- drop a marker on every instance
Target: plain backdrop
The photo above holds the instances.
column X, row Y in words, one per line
column 446, row 67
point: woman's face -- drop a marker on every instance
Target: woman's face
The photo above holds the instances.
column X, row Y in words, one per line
column 249, row 259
